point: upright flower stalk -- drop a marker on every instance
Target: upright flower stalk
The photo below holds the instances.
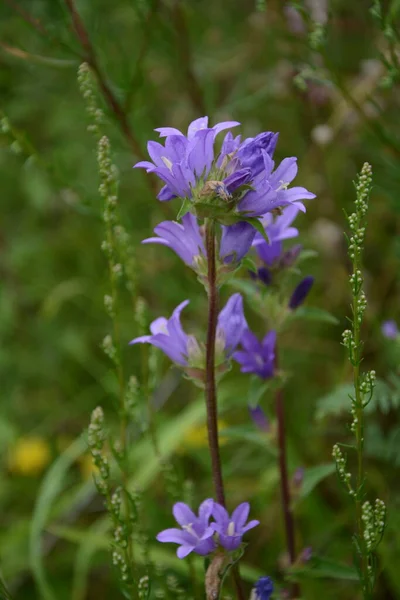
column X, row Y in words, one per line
column 370, row 520
column 227, row 200
column 210, row 384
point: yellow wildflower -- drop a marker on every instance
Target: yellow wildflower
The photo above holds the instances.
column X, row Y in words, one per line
column 29, row 456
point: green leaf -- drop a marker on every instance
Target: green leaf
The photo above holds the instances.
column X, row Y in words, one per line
column 49, row 491
column 313, row 476
column 312, row 313
column 184, row 209
column 256, row 223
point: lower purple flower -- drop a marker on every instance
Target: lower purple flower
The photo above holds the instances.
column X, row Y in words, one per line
column 184, row 349
column 230, row 529
column 262, row 589
column 257, row 357
column 195, row 535
column 185, row 239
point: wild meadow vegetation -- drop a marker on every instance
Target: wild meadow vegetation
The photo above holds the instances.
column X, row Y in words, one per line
column 213, row 413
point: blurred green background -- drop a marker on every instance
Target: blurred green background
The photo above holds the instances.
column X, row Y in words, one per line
column 167, row 62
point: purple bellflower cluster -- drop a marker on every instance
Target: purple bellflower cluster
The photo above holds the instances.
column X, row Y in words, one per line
column 200, row 535
column 239, row 182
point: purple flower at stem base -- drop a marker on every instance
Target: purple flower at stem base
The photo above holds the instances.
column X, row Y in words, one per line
column 196, row 534
column 230, row 529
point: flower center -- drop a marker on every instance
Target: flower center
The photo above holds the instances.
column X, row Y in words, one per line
column 284, row 185
column 167, row 162
column 189, row 529
column 231, row 528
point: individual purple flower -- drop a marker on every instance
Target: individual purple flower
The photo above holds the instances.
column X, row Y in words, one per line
column 271, row 190
column 230, row 529
column 257, row 357
column 196, row 534
column 189, row 169
column 259, row 418
column 184, row 349
column 390, row 329
column 262, row 589
column 185, row 239
column 168, row 335
column 231, row 325
column 301, row 292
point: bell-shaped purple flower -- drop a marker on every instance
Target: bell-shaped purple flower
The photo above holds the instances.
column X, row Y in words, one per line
column 231, row 325
column 301, row 292
column 230, row 529
column 184, row 349
column 196, row 534
column 263, row 589
column 390, row 329
column 257, row 357
column 185, row 239
column 168, row 335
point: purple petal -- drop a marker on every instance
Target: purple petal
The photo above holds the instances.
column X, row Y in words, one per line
column 230, row 542
column 183, row 551
column 232, row 322
column 205, row 546
column 205, row 511
column 183, row 514
column 250, row 525
column 236, row 179
column 166, row 131
column 165, row 194
column 197, row 125
column 159, row 325
column 285, row 172
column 296, row 193
column 221, row 516
column 143, row 339
column 225, row 125
column 240, row 514
column 144, row 164
column 174, row 535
